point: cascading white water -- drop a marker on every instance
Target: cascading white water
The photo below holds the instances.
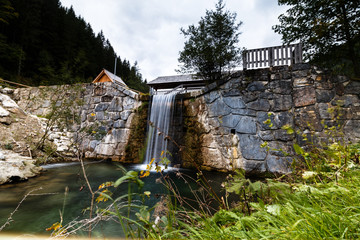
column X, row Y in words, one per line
column 160, row 119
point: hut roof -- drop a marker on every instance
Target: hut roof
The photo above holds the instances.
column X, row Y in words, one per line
column 167, row 82
column 111, row 76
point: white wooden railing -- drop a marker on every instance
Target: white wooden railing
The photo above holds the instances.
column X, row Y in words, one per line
column 272, row 56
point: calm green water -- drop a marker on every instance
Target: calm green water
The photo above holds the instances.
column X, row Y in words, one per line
column 39, row 212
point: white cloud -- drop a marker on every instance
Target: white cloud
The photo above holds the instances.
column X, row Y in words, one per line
column 149, row 31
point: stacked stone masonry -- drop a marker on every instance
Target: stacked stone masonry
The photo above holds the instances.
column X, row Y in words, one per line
column 229, row 119
column 96, row 117
column 235, row 115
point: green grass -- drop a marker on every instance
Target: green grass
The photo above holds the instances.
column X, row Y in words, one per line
column 316, row 211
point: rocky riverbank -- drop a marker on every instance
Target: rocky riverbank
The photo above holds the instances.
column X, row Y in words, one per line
column 14, row 167
column 18, row 133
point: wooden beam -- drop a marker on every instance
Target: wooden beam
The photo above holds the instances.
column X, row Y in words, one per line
column 19, row 84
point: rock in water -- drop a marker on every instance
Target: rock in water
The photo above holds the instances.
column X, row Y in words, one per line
column 17, row 167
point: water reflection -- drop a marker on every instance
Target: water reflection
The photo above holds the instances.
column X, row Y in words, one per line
column 40, row 211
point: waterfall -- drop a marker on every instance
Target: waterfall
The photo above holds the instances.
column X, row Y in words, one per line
column 161, row 113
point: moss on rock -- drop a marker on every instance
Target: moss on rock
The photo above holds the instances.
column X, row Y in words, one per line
column 191, row 153
column 136, row 147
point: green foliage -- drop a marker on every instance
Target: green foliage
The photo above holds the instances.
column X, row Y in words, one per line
column 122, row 207
column 8, row 146
column 328, row 29
column 323, row 211
column 211, row 47
column 47, row 44
column 6, row 11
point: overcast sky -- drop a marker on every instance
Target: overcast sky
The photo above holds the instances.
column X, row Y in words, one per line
column 148, row 31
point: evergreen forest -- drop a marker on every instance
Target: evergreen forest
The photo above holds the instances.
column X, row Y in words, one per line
column 44, row 43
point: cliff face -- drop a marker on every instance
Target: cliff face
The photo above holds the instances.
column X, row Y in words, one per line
column 228, row 122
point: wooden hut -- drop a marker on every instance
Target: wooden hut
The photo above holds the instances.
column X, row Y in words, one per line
column 106, row 76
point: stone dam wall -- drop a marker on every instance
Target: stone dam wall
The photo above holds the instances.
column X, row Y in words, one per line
column 222, row 127
column 93, row 120
column 226, row 124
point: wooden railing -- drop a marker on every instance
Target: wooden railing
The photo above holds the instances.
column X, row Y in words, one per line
column 272, row 56
column 183, row 88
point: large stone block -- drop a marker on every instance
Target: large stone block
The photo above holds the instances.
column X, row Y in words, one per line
column 263, row 119
column 124, row 115
column 130, row 93
column 229, row 121
column 234, row 102
column 128, row 103
column 227, row 141
column 209, row 141
column 121, row 135
column 119, row 124
column 93, row 144
column 250, row 146
column 250, row 96
column 101, row 116
column 218, row 108
column 283, row 118
column 276, row 164
column 120, row 149
column 304, row 96
column 246, row 125
column 352, row 130
column 281, row 103
column 129, row 121
column 211, row 96
column 105, row 149
column 114, row 115
column 113, row 91
column 324, row 96
column 281, row 87
column 213, row 159
column 254, row 167
column 101, row 107
column 115, row 105
column 267, row 135
column 259, row 105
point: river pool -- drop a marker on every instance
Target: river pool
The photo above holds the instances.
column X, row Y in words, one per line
column 40, row 211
